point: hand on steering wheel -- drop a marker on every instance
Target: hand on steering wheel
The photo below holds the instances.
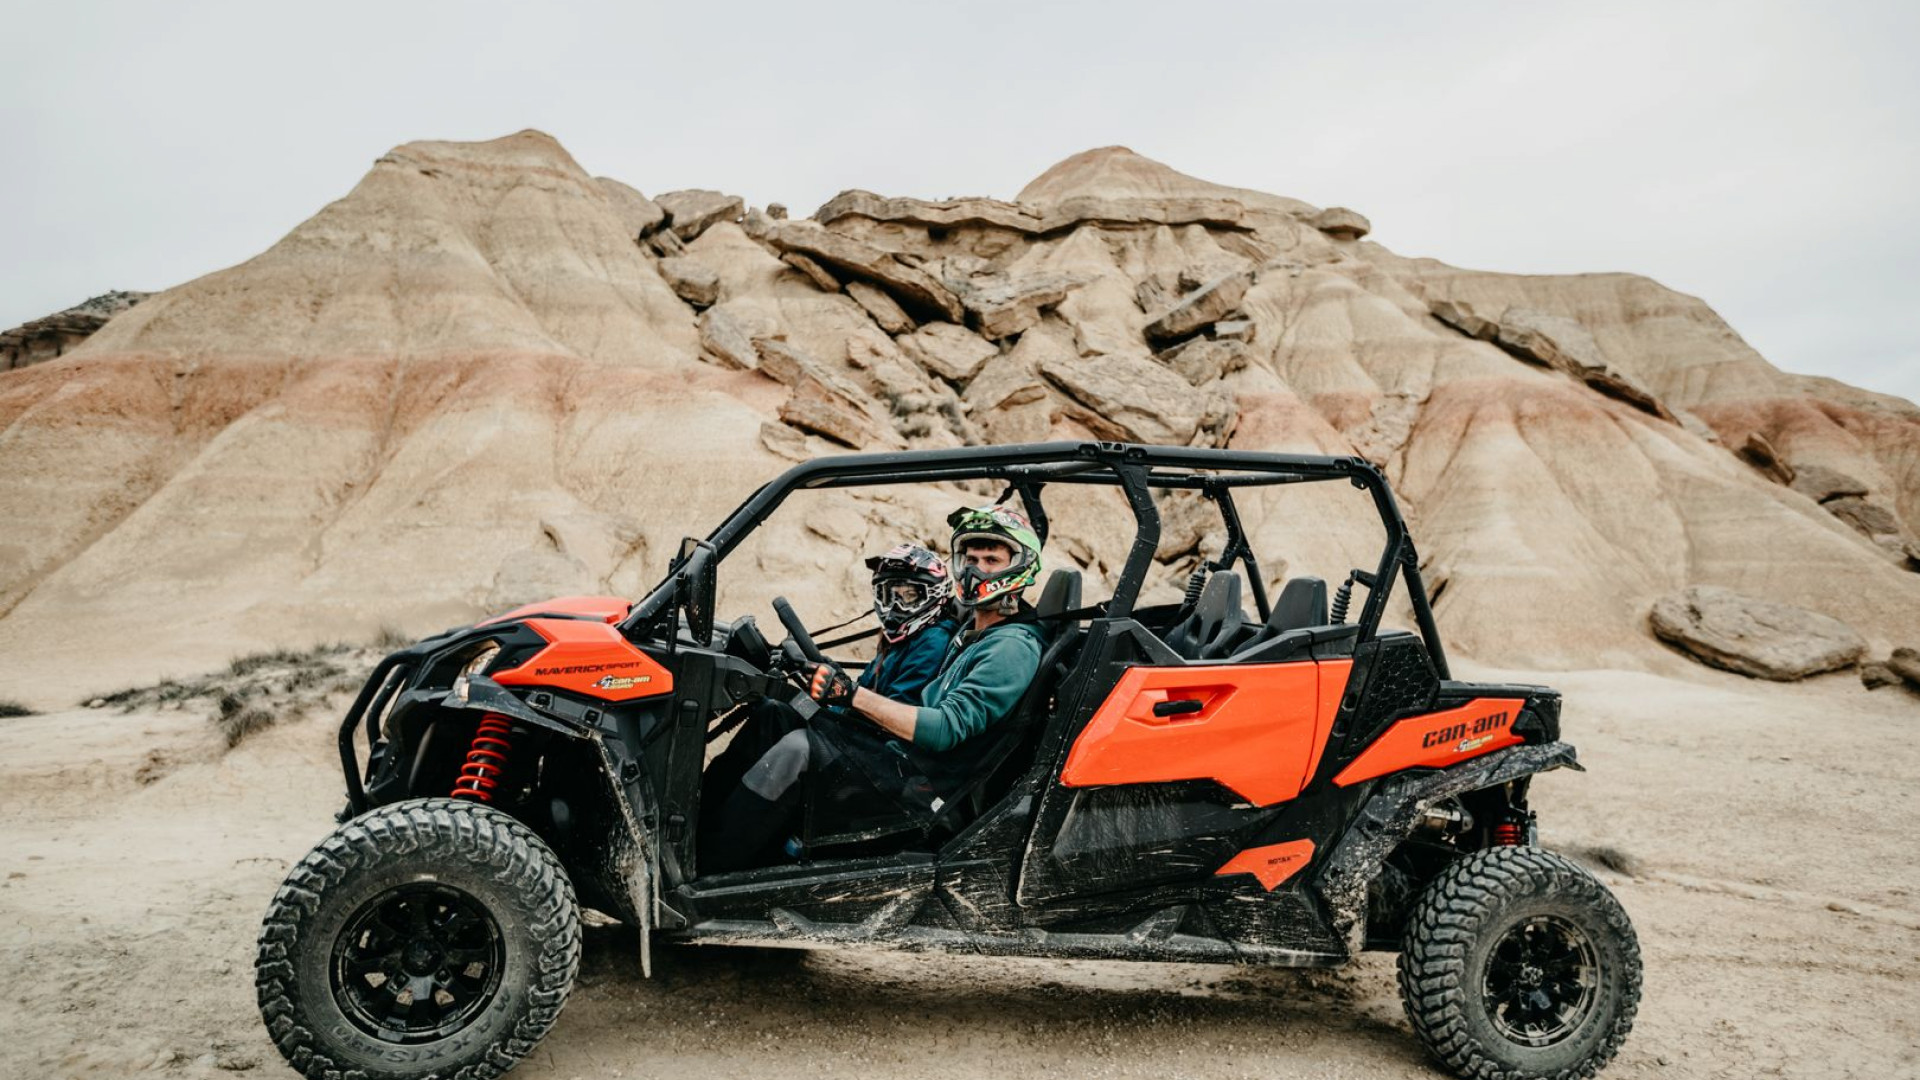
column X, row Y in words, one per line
column 830, row 686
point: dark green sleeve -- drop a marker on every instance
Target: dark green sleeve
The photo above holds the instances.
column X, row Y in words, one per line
column 985, row 693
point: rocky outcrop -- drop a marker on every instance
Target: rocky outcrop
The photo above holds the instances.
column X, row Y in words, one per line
column 917, row 290
column 887, row 314
column 1035, row 218
column 1205, row 360
column 1874, row 521
column 1200, row 309
column 639, row 215
column 1552, row 341
column 1905, row 662
column 954, row 353
column 56, row 335
column 1462, row 317
column 1131, row 398
column 814, row 271
column 1338, row 221
column 692, row 212
column 727, row 336
column 693, row 281
column 1819, row 483
column 1754, row 637
column 273, row 441
column 820, row 401
column 1759, row 452
column 999, row 309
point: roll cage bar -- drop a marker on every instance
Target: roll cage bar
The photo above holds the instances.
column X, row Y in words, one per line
column 1026, row 468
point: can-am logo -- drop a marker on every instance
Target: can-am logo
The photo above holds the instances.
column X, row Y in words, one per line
column 621, row 682
column 1465, row 730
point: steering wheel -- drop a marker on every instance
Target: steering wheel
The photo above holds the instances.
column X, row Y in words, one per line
column 797, row 630
column 798, row 650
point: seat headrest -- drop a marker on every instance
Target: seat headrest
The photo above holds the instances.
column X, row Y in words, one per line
column 1302, row 603
column 1219, row 599
column 1061, row 593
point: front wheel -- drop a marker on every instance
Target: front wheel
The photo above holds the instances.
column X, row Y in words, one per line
column 1518, row 964
column 428, row 938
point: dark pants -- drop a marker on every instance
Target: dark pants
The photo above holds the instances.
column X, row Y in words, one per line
column 751, row 794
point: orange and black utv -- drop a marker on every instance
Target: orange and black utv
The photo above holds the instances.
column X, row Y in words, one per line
column 1183, row 782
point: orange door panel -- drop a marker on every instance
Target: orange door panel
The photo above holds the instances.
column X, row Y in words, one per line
column 589, row 658
column 1437, row 740
column 1257, row 729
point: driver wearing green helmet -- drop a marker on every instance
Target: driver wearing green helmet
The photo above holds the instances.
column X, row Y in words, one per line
column 995, row 555
column 913, row 756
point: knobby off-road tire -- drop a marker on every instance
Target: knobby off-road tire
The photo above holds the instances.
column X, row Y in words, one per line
column 1497, row 936
column 487, row 928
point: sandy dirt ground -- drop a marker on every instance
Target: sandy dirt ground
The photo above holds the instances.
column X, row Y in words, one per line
column 1775, row 887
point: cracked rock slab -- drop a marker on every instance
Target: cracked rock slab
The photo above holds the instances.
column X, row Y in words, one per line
column 1202, row 308
column 691, row 280
column 1003, row 309
column 692, row 212
column 1132, row 398
column 952, row 352
column 889, row 315
column 912, row 286
column 1754, row 637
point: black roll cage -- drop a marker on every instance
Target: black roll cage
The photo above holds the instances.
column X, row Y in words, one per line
column 1028, row 467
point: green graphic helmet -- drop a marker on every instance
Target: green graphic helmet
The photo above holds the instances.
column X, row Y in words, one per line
column 1000, row 525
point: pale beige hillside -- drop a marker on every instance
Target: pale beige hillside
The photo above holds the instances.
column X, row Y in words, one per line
column 470, row 383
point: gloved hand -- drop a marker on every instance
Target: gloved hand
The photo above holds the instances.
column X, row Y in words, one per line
column 830, row 686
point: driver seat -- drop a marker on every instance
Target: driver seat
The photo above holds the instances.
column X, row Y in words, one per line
column 1003, row 763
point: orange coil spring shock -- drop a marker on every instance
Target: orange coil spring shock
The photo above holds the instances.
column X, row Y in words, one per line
column 1509, row 834
column 486, row 760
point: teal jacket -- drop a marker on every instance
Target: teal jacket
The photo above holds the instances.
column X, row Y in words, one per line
column 980, row 681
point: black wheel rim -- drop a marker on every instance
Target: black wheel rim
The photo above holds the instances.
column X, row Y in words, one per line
column 417, row 963
column 1541, row 981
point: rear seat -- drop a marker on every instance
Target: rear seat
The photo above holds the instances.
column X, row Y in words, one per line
column 1215, row 622
column 1297, row 627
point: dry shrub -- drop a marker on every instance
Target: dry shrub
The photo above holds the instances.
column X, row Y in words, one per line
column 1609, row 858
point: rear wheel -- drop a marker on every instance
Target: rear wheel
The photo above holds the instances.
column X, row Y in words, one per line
column 1518, row 964
column 430, row 937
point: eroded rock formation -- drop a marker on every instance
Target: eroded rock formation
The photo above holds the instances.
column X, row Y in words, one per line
column 485, row 374
column 55, row 335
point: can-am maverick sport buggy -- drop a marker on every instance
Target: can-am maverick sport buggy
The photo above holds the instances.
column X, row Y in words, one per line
column 1179, row 783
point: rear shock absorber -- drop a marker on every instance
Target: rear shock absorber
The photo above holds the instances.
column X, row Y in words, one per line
column 486, row 760
column 1515, row 830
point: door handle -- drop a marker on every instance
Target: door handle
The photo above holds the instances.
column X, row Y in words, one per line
column 1178, row 707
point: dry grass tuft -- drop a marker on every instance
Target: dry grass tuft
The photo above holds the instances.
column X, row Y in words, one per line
column 1609, row 858
column 260, row 689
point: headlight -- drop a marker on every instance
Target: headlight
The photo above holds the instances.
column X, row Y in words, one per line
column 475, row 666
column 478, row 665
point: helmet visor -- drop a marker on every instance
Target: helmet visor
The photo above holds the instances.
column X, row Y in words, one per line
column 898, row 597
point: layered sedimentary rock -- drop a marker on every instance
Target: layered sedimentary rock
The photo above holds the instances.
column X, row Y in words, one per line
column 484, row 376
column 53, row 336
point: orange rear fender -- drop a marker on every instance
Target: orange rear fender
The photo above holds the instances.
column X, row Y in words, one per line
column 1437, row 740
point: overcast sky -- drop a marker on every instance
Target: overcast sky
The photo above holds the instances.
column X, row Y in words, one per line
column 1762, row 156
